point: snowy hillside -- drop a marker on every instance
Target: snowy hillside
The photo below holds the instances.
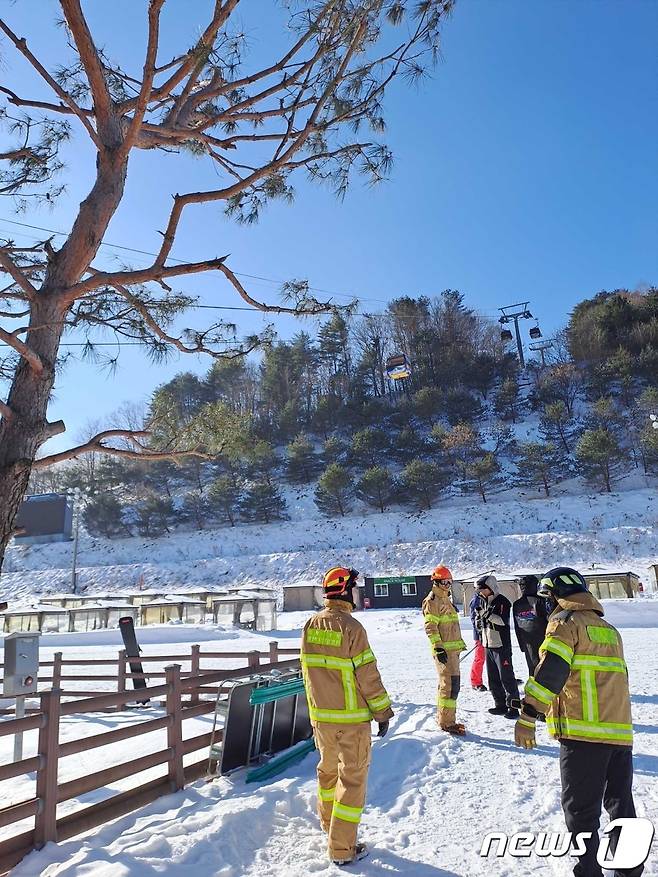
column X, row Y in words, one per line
column 431, row 799
column 607, row 530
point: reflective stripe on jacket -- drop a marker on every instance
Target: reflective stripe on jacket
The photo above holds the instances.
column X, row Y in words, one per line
column 343, row 685
column 581, row 681
column 441, row 621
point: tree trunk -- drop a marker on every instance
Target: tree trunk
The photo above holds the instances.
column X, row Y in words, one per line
column 23, row 434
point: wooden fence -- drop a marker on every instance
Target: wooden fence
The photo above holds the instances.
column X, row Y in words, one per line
column 60, row 670
column 187, row 695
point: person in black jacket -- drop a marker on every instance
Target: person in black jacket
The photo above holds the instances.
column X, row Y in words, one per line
column 477, row 682
column 492, row 620
column 530, row 615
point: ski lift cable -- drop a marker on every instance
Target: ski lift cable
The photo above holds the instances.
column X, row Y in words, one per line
column 256, row 277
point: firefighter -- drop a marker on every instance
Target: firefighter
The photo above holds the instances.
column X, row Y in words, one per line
column 492, row 620
column 345, row 693
column 581, row 686
column 442, row 628
column 530, row 616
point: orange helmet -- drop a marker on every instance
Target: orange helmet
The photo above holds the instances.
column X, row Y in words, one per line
column 338, row 580
column 441, row 574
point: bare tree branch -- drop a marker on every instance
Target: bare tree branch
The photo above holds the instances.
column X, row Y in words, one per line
column 34, row 360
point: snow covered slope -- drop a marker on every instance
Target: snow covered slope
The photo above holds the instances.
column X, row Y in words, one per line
column 619, row 529
column 431, row 798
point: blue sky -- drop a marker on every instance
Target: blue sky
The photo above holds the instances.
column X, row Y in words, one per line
column 525, row 169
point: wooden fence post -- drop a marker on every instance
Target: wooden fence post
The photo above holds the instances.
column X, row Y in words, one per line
column 195, row 662
column 45, row 821
column 121, row 676
column 57, row 671
column 274, row 652
column 175, row 728
column 253, row 659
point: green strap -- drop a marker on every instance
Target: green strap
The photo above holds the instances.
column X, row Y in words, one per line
column 534, row 689
column 589, row 695
column 600, row 664
column 557, row 647
column 526, row 724
column 331, row 662
column 339, row 717
column 377, row 704
column 447, row 702
column 441, row 619
column 454, row 645
column 347, row 814
column 324, row 637
column 365, row 657
column 562, row 726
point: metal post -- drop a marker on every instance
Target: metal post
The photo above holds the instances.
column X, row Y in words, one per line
column 519, row 343
column 76, row 534
column 18, row 737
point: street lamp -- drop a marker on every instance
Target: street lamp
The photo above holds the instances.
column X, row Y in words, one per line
column 75, row 495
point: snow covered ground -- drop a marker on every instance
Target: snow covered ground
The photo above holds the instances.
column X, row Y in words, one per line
column 431, row 798
column 615, row 530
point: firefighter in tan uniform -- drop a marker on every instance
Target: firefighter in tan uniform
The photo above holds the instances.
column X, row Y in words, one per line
column 580, row 686
column 345, row 693
column 444, row 633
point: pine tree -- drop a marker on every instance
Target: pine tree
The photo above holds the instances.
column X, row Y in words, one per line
column 302, row 464
column 460, row 406
column 408, row 445
column 376, row 487
column 335, row 450
column 483, row 475
column 558, row 426
column 224, row 497
column 368, row 446
column 600, row 457
column 262, row 462
column 262, row 503
column 195, row 508
column 422, row 481
column 427, row 404
column 538, row 465
column 154, row 515
column 508, row 399
column 103, row 516
column 461, row 445
column 334, row 493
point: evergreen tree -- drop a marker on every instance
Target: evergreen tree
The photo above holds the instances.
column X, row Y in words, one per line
column 461, row 445
column 538, row 464
column 600, row 457
column 335, row 450
column 154, row 515
column 422, row 481
column 224, row 497
column 334, row 493
column 368, row 446
column 483, row 475
column 409, row 444
column 558, row 426
column 262, row 462
column 302, row 463
column 649, row 444
column 195, row 508
column 262, row 503
column 376, row 487
column 103, row 516
column 426, row 404
column 460, row 406
column 508, row 399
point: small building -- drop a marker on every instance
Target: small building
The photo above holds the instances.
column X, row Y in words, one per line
column 139, row 598
column 395, row 592
column 612, row 584
column 302, row 597
column 47, row 619
column 91, row 616
column 43, row 518
column 160, row 612
column 67, row 601
column 245, row 610
column 192, row 610
column 116, row 610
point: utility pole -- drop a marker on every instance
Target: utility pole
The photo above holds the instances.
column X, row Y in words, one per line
column 75, row 495
column 514, row 313
column 542, row 347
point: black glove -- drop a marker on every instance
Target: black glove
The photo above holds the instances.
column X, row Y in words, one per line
column 529, row 710
column 441, row 655
column 382, row 729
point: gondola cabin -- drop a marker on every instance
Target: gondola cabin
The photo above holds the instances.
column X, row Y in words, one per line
column 398, row 367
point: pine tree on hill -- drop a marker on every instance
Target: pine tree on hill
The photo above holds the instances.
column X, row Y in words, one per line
column 335, row 450
column 334, row 493
column 103, row 516
column 538, row 465
column 262, row 503
column 601, row 459
column 154, row 515
column 508, row 399
column 224, row 497
column 368, row 446
column 461, row 445
column 302, row 464
column 376, row 487
column 195, row 508
column 427, row 405
column 422, row 481
column 483, row 475
column 558, row 426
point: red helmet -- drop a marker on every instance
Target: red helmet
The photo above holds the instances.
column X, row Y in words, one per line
column 338, row 580
column 441, row 574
